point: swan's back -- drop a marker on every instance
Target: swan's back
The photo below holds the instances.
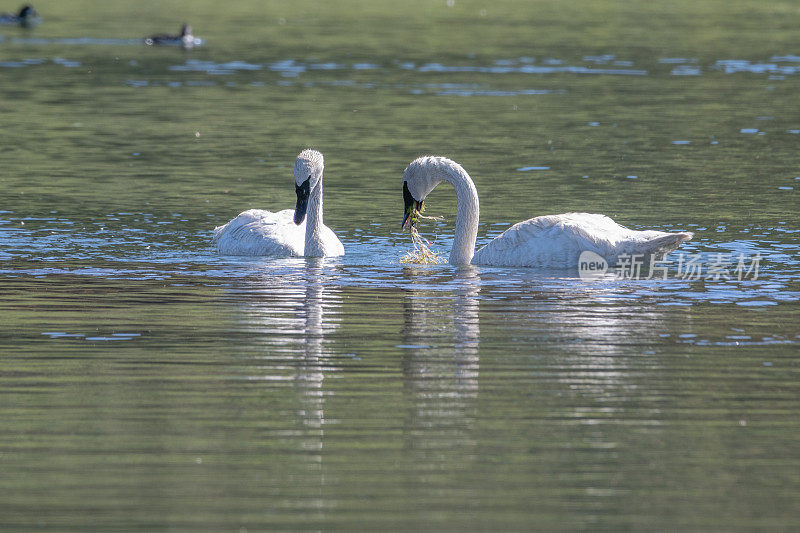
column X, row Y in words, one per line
column 257, row 232
column 556, row 241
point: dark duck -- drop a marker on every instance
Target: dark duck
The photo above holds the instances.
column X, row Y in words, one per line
column 184, row 39
column 26, row 17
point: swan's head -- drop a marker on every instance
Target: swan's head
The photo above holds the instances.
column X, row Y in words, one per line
column 307, row 177
column 420, row 177
column 186, row 31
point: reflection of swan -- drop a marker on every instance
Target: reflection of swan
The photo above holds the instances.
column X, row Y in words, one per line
column 599, row 340
column 440, row 368
column 546, row 241
column 294, row 312
column 285, row 233
column 312, row 368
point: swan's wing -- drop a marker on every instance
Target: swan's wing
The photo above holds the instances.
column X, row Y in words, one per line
column 612, row 240
column 257, row 232
column 548, row 241
column 556, row 241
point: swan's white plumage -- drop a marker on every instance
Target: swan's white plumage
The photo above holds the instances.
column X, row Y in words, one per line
column 557, row 241
column 257, row 232
column 552, row 241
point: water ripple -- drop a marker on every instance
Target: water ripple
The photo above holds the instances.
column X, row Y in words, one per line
column 141, row 246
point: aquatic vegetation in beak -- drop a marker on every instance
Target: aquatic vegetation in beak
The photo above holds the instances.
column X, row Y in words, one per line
column 422, row 253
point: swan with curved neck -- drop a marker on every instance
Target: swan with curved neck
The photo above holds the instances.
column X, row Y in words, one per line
column 296, row 233
column 552, row 241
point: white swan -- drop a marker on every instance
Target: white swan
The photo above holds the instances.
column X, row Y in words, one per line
column 286, row 233
column 553, row 241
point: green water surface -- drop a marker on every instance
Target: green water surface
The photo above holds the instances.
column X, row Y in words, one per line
column 148, row 384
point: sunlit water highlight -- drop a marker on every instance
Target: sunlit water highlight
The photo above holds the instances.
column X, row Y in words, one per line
column 145, row 246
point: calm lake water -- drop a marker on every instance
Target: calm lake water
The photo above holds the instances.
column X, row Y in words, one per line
column 147, row 383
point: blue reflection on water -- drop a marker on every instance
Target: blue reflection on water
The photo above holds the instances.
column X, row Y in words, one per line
column 139, row 246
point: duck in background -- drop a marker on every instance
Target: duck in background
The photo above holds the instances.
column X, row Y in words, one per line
column 184, row 39
column 26, row 17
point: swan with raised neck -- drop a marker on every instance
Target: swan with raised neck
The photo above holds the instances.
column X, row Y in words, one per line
column 551, row 241
column 299, row 232
column 308, row 168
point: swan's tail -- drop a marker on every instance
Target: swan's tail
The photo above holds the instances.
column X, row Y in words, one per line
column 652, row 249
column 666, row 243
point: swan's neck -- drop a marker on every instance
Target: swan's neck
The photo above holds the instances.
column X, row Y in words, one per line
column 467, row 214
column 314, row 225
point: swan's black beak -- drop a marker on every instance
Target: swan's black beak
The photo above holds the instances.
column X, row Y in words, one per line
column 302, row 201
column 412, row 208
